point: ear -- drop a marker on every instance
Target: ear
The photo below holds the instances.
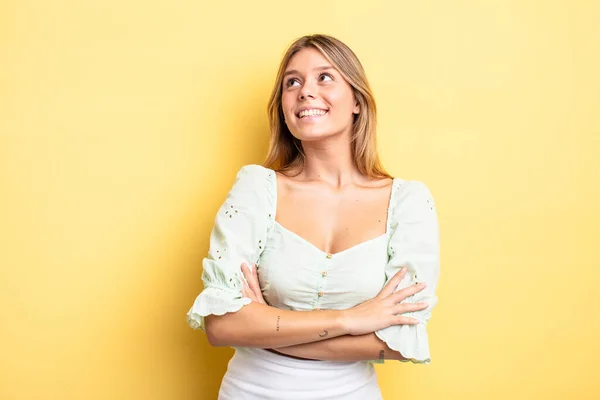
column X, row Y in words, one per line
column 356, row 108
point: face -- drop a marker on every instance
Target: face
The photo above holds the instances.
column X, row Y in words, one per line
column 317, row 102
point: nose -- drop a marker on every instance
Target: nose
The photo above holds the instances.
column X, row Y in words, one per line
column 308, row 90
column 304, row 96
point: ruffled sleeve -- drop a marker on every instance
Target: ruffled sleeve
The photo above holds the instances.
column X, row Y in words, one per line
column 414, row 243
column 239, row 235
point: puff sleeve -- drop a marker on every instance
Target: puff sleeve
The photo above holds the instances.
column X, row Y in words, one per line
column 239, row 234
column 414, row 243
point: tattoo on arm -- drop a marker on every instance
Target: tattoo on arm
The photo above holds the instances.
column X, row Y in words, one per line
column 278, row 318
column 324, row 334
column 381, row 355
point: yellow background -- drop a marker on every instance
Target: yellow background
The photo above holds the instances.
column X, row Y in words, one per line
column 123, row 123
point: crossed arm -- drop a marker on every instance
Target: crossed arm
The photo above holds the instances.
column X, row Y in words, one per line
column 344, row 348
column 344, row 339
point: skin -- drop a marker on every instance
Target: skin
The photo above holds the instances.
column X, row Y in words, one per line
column 319, row 203
column 310, row 81
column 341, row 348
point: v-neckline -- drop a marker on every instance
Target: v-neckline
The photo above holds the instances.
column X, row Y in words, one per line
column 348, row 249
column 319, row 250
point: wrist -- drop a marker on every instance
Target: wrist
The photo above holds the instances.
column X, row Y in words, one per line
column 341, row 321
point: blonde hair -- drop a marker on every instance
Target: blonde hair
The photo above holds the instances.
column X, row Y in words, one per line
column 285, row 151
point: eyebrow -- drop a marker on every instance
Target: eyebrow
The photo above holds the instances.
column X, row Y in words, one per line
column 293, row 71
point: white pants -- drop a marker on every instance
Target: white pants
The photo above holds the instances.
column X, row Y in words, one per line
column 256, row 374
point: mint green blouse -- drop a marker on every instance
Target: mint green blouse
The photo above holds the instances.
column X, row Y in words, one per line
column 296, row 275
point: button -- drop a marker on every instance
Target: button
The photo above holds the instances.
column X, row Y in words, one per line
column 329, row 255
column 320, row 294
column 324, row 273
column 415, row 276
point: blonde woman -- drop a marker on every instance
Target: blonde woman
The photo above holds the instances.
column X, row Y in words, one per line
column 320, row 262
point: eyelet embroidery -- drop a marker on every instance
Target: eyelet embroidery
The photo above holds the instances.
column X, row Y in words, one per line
column 236, row 279
column 231, row 212
column 219, row 253
column 430, row 203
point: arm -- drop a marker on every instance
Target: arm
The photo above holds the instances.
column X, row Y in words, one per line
column 269, row 327
column 266, row 326
column 344, row 348
column 415, row 244
column 341, row 348
column 231, row 319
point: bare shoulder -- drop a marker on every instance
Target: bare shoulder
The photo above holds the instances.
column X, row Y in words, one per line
column 378, row 183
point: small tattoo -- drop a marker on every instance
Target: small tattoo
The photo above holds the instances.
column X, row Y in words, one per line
column 324, row 334
column 381, row 355
column 278, row 318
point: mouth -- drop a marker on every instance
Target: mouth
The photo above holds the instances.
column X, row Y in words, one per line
column 311, row 113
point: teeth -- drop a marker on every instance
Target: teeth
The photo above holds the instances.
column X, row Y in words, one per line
column 312, row 112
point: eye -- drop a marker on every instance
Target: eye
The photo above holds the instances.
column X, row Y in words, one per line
column 290, row 82
column 324, row 77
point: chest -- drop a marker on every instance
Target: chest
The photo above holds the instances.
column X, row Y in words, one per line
column 296, row 275
column 333, row 221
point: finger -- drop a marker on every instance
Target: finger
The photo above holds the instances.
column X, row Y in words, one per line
column 246, row 271
column 246, row 292
column 407, row 292
column 260, row 296
column 402, row 320
column 253, row 282
column 409, row 307
column 394, row 281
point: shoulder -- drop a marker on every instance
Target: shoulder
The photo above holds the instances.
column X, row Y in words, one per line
column 254, row 172
column 254, row 176
column 256, row 181
column 412, row 199
column 411, row 190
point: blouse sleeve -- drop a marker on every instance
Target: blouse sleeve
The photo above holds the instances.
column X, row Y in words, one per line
column 238, row 235
column 415, row 244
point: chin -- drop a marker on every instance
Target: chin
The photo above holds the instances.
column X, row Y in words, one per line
column 309, row 136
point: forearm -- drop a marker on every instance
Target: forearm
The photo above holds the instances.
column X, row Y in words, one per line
column 344, row 348
column 263, row 326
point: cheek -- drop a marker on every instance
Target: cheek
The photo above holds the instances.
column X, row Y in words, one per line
column 343, row 102
column 339, row 94
column 286, row 103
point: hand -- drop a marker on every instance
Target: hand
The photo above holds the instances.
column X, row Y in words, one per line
column 252, row 288
column 382, row 311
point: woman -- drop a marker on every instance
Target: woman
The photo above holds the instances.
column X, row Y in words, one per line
column 323, row 233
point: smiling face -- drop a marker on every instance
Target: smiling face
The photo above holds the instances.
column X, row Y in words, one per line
column 316, row 100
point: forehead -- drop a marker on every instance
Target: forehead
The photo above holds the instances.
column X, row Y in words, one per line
column 307, row 59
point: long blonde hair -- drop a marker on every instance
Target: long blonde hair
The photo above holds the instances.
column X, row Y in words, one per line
column 285, row 151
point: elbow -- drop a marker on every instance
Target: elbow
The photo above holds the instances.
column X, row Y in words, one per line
column 214, row 331
column 213, row 338
column 224, row 330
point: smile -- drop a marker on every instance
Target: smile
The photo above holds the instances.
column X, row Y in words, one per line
column 313, row 112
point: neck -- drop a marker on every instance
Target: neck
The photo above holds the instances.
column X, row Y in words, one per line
column 330, row 160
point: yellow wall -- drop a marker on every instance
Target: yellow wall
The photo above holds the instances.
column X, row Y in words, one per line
column 122, row 124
